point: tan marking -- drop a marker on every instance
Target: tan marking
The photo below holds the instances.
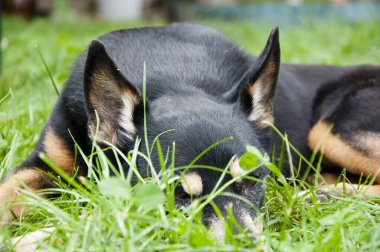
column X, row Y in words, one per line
column 262, row 111
column 228, row 205
column 192, row 184
column 217, row 228
column 253, row 225
column 368, row 142
column 10, row 191
column 236, row 170
column 106, row 133
column 126, row 118
column 337, row 151
column 55, row 149
column 267, row 119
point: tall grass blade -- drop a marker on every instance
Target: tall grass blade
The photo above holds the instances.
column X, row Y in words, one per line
column 48, row 72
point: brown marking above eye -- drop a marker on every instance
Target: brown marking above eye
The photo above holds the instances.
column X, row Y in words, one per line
column 236, row 170
column 192, row 184
column 241, row 174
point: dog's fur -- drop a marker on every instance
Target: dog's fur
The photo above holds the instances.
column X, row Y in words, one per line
column 204, row 88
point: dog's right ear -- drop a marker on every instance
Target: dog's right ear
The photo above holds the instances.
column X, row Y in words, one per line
column 109, row 95
column 259, row 88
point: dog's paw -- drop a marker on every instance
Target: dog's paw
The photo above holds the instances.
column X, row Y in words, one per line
column 30, row 241
column 320, row 195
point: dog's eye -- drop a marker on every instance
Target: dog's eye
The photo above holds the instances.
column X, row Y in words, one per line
column 250, row 181
column 180, row 193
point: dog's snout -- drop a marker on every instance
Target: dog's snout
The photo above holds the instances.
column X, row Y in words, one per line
column 250, row 223
column 244, row 220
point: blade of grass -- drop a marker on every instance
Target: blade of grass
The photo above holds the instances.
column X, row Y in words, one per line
column 48, row 72
column 8, row 95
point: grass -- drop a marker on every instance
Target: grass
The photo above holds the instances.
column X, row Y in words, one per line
column 117, row 217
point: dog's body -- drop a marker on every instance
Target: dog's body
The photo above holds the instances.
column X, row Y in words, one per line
column 204, row 88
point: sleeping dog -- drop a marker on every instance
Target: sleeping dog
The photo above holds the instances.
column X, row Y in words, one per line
column 203, row 88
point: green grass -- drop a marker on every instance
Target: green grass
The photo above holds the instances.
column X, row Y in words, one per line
column 117, row 217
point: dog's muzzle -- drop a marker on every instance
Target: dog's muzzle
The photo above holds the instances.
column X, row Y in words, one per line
column 246, row 218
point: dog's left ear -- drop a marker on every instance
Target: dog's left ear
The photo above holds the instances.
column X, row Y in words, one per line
column 260, row 84
column 110, row 98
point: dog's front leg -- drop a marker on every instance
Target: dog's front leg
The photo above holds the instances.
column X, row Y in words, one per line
column 31, row 175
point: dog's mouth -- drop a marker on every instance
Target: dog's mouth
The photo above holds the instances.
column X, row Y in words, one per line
column 243, row 221
column 254, row 228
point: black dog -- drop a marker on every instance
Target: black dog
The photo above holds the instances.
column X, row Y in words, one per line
column 204, row 88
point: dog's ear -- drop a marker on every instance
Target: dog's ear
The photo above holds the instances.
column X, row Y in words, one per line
column 109, row 95
column 260, row 83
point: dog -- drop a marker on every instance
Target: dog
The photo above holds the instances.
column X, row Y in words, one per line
column 201, row 88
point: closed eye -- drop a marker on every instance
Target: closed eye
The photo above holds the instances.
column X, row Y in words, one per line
column 180, row 193
column 250, row 180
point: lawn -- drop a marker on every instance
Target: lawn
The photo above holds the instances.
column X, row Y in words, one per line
column 139, row 218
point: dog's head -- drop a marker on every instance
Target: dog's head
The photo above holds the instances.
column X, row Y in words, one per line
column 194, row 120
